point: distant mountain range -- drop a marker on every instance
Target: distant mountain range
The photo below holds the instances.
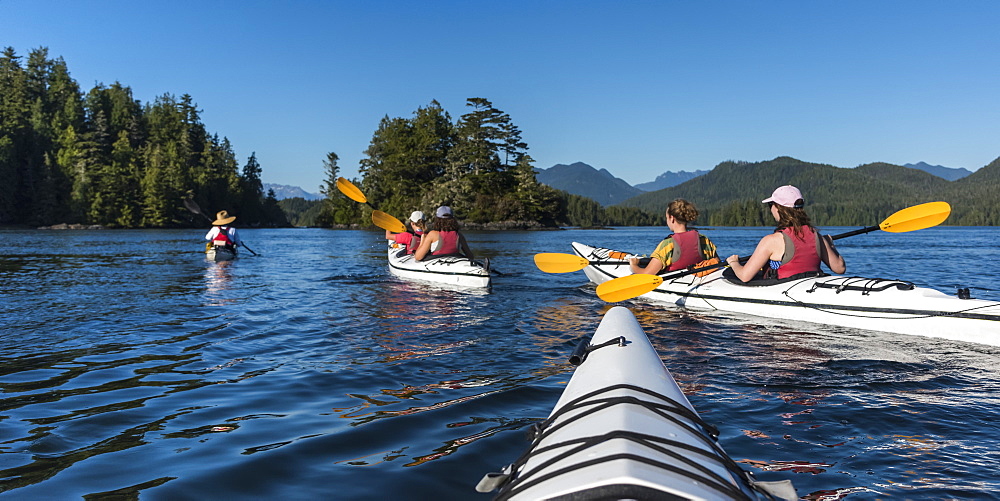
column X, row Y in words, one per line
column 602, row 186
column 948, row 173
column 668, row 179
column 834, row 195
column 283, row 191
column 584, row 180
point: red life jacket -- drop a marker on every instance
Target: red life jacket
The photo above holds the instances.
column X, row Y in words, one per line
column 410, row 240
column 221, row 239
column 801, row 253
column 687, row 250
column 448, row 241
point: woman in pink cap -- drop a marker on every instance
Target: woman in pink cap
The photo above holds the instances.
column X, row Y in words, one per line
column 795, row 249
column 444, row 239
column 410, row 240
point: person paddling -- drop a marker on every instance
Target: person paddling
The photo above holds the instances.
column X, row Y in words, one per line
column 795, row 249
column 222, row 234
column 410, row 240
column 444, row 239
column 682, row 248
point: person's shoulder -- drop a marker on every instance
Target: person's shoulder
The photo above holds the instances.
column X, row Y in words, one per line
column 772, row 238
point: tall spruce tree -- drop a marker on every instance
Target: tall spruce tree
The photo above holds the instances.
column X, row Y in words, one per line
column 252, row 193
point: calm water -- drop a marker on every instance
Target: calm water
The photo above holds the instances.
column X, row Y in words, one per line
column 132, row 368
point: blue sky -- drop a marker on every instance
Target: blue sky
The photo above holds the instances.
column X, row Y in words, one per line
column 638, row 88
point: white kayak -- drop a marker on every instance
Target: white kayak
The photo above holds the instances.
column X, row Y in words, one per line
column 623, row 429
column 219, row 254
column 449, row 270
column 859, row 302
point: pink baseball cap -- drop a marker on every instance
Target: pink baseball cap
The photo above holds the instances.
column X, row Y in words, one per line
column 787, row 196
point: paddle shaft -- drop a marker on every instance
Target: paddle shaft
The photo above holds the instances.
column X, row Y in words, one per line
column 248, row 248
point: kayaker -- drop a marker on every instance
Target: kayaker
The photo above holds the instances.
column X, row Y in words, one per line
column 444, row 239
column 410, row 240
column 682, row 248
column 795, row 248
column 221, row 234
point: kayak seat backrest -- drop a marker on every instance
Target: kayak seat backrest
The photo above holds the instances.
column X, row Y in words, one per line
column 757, row 281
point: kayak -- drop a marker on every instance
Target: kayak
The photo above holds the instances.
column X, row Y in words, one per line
column 623, row 429
column 219, row 254
column 859, row 302
column 450, row 270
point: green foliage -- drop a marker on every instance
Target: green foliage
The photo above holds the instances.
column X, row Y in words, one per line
column 104, row 158
column 586, row 212
column 336, row 209
column 479, row 166
column 730, row 194
column 301, row 212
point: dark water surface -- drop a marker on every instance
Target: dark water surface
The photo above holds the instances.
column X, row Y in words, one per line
column 130, row 367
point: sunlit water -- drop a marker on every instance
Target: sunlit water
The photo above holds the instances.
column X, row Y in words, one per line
column 132, row 367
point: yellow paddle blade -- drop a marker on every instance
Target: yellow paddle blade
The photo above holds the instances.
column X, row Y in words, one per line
column 347, row 188
column 387, row 222
column 627, row 287
column 554, row 262
column 917, row 217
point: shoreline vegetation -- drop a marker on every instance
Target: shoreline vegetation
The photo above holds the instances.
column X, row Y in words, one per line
column 103, row 159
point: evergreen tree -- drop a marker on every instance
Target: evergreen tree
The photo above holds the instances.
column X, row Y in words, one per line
column 335, row 208
column 251, row 208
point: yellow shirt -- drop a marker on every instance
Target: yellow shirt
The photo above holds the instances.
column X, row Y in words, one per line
column 665, row 251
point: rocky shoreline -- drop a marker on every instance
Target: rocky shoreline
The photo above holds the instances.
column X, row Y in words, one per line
column 65, row 226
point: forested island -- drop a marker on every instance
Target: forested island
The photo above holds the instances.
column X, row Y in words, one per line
column 104, row 158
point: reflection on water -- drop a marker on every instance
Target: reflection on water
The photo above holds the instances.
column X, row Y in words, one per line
column 218, row 280
column 132, row 368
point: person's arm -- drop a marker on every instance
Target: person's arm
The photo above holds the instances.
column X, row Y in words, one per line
column 425, row 245
column 465, row 247
column 765, row 249
column 658, row 260
column 654, row 266
column 235, row 236
column 390, row 236
column 831, row 256
column 211, row 233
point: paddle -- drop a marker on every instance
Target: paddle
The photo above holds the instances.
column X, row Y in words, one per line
column 555, row 262
column 195, row 208
column 913, row 218
column 379, row 218
column 387, row 222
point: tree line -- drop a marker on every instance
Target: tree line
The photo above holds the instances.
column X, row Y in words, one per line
column 478, row 165
column 730, row 194
column 102, row 157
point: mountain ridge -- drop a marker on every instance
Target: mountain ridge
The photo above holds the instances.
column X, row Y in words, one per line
column 949, row 173
column 283, row 191
column 582, row 179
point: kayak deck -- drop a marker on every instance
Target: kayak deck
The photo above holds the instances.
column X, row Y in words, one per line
column 859, row 302
column 623, row 429
column 219, row 254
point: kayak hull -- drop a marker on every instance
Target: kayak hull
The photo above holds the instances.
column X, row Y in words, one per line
column 623, row 429
column 856, row 302
column 447, row 270
column 219, row 254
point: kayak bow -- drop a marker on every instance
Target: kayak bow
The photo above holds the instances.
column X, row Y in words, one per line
column 623, row 429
